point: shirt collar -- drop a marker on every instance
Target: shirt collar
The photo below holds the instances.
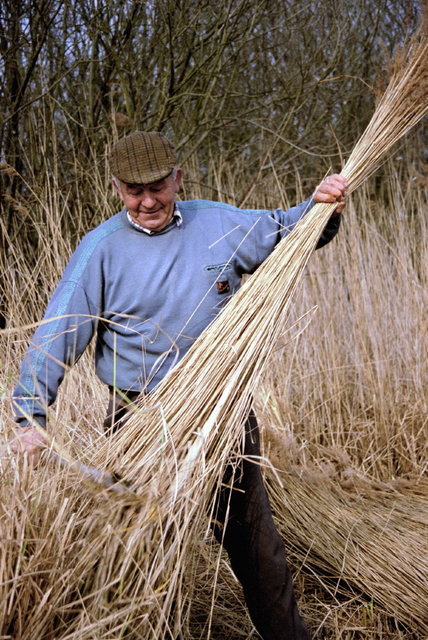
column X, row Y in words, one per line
column 177, row 218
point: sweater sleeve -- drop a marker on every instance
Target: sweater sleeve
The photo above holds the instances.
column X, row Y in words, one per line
column 329, row 231
column 288, row 219
column 64, row 333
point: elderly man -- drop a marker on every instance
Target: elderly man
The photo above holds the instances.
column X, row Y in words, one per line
column 146, row 283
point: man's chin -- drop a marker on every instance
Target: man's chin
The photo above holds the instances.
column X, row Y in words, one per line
column 153, row 222
column 154, row 225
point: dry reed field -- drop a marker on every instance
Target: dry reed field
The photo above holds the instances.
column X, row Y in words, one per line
column 344, row 410
column 332, row 351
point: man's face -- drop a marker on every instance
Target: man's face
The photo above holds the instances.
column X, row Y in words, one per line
column 151, row 205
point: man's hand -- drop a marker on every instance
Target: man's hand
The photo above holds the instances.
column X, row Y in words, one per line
column 332, row 189
column 30, row 442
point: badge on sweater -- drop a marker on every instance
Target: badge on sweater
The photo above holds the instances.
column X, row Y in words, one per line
column 223, row 286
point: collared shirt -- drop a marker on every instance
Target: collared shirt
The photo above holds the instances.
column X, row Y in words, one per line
column 176, row 217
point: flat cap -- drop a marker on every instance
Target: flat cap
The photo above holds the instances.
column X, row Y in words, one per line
column 143, row 157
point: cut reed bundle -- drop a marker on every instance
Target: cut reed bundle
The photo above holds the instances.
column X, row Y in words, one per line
column 370, row 537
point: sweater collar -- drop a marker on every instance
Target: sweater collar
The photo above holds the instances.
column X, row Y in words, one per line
column 176, row 221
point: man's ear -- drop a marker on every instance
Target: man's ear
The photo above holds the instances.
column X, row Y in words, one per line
column 178, row 177
column 116, row 187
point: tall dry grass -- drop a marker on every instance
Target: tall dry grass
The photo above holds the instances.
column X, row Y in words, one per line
column 344, row 399
column 346, row 426
column 364, row 350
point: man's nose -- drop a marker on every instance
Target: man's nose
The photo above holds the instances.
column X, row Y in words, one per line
column 147, row 200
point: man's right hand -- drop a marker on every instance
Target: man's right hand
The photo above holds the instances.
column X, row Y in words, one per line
column 30, row 442
column 332, row 189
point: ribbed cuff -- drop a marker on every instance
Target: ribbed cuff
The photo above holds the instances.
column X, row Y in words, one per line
column 25, row 422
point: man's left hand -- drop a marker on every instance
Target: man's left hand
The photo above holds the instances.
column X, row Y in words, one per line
column 29, row 441
column 332, row 189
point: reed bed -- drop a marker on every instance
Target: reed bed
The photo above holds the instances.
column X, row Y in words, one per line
column 81, row 562
column 367, row 537
column 60, row 542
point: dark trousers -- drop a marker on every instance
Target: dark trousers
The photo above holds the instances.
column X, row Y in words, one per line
column 243, row 524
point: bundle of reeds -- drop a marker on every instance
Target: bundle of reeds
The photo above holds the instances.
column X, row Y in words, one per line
column 360, row 534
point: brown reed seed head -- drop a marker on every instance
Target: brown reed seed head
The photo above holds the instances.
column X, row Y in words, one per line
column 8, row 169
column 402, row 105
column 15, row 204
column 410, row 64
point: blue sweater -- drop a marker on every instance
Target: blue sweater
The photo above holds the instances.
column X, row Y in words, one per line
column 146, row 298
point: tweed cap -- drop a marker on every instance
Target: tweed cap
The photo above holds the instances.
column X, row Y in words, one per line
column 142, row 157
